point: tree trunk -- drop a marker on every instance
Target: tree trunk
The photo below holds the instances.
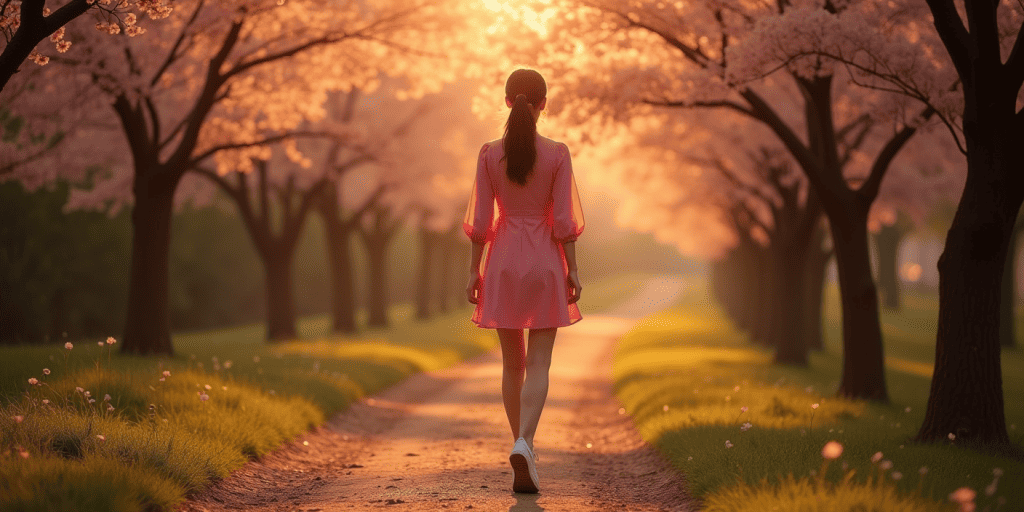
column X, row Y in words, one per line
column 377, row 283
column 147, row 327
column 447, row 262
column 887, row 244
column 966, row 396
column 428, row 245
column 1008, row 301
column 786, row 305
column 339, row 257
column 277, row 266
column 863, row 357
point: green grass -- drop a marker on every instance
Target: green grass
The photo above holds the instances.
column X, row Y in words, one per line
column 156, row 440
column 684, row 374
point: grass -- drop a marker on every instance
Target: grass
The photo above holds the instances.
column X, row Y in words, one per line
column 156, row 439
column 691, row 382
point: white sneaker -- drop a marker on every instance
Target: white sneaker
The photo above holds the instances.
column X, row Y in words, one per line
column 523, row 468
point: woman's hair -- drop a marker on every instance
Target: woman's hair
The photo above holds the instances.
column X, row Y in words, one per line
column 524, row 87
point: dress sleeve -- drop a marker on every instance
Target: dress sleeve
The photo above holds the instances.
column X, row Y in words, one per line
column 568, row 214
column 479, row 217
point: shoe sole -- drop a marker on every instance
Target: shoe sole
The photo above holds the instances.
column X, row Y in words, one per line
column 521, row 481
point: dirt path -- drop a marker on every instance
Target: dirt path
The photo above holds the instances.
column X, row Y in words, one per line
column 440, row 441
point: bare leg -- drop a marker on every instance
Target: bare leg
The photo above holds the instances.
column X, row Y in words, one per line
column 512, row 355
column 535, row 388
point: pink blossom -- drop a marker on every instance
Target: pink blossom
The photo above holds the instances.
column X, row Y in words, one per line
column 68, row 345
column 46, row 371
column 19, row 418
column 33, row 381
column 832, row 450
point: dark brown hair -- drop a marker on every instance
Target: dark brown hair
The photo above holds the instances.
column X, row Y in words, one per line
column 523, row 88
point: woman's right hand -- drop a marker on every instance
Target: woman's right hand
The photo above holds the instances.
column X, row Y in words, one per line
column 573, row 281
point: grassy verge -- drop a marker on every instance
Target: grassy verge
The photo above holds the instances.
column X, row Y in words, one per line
column 170, row 426
column 749, row 436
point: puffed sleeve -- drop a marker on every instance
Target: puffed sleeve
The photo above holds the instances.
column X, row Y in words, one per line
column 479, row 217
column 568, row 214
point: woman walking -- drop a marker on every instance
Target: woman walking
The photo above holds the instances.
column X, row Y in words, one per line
column 528, row 279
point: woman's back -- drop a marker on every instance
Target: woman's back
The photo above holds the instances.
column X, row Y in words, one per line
column 534, row 198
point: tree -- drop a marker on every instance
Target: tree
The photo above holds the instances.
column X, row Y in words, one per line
column 972, row 264
column 214, row 85
column 295, row 197
column 970, row 74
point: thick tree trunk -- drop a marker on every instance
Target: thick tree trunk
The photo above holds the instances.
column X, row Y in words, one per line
column 967, row 387
column 786, row 305
column 377, row 283
column 863, row 358
column 428, row 246
column 277, row 266
column 339, row 258
column 887, row 244
column 147, row 327
column 1008, row 300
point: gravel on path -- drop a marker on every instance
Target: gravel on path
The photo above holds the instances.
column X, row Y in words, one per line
column 440, row 441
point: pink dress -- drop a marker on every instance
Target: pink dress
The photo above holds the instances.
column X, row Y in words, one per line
column 524, row 271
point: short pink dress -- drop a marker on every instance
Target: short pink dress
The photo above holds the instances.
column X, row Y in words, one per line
column 524, row 271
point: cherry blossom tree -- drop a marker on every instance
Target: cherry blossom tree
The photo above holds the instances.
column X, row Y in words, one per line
column 969, row 72
column 213, row 85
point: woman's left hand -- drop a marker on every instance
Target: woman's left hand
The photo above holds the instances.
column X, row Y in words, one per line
column 473, row 290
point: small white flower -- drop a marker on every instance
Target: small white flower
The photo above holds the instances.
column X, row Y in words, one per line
column 69, row 346
column 87, row 393
column 19, row 418
column 33, row 381
column 46, row 371
column 99, row 343
column 951, row 436
column 101, row 437
column 204, row 397
column 923, row 470
column 745, row 427
column 92, row 400
column 46, row 402
column 743, row 409
column 876, row 457
column 885, row 465
column 111, row 340
column 79, row 389
column 207, row 387
column 728, row 444
column 907, row 409
column 896, row 475
column 167, row 373
column 106, row 398
column 814, row 406
column 664, row 408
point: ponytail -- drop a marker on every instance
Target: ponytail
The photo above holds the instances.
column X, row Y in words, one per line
column 520, row 146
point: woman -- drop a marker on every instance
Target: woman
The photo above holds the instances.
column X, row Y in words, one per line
column 528, row 279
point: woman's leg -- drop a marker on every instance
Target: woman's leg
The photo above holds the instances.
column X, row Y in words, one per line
column 535, row 389
column 512, row 356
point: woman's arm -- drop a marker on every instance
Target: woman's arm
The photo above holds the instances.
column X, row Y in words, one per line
column 573, row 277
column 478, row 251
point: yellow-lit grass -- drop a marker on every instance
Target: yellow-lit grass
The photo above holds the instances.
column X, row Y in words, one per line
column 259, row 396
column 810, row 495
column 685, row 374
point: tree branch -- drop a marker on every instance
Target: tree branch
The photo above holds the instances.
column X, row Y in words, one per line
column 268, row 140
column 954, row 35
column 869, row 190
